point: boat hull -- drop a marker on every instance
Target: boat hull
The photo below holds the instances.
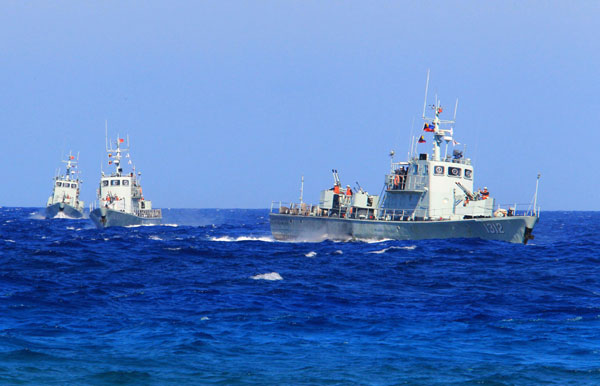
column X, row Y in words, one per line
column 516, row 229
column 66, row 209
column 104, row 218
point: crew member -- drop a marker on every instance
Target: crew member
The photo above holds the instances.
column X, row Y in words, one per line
column 336, row 189
column 348, row 190
column 485, row 194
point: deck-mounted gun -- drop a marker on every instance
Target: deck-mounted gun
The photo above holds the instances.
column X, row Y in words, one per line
column 466, row 191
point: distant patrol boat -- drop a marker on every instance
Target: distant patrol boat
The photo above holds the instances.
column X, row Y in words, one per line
column 428, row 197
column 64, row 200
column 120, row 197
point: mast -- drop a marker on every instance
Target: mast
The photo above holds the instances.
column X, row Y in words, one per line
column 439, row 134
column 301, row 189
column 537, row 182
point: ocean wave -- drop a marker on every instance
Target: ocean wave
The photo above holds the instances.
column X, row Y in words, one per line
column 311, row 254
column 384, row 250
column 374, row 241
column 272, row 276
column 229, row 239
column 152, row 225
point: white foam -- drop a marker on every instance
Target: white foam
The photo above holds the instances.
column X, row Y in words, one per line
column 153, row 237
column 205, row 318
column 173, row 249
column 151, row 225
column 384, row 250
column 338, row 252
column 63, row 215
column 71, row 228
column 228, row 239
column 374, row 241
column 311, row 254
column 10, row 241
column 267, row 276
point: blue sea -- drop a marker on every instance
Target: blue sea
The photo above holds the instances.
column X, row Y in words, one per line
column 211, row 298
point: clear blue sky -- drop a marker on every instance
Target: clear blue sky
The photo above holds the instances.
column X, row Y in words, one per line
column 227, row 104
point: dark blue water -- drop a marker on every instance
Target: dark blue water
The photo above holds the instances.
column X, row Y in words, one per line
column 187, row 304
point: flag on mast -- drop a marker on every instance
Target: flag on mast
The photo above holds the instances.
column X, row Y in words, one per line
column 421, row 139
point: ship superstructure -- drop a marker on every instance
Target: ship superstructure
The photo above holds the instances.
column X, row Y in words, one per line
column 64, row 201
column 429, row 196
column 121, row 201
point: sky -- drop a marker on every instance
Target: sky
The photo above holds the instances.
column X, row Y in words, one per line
column 228, row 103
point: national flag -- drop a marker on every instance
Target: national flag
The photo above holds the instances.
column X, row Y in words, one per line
column 454, row 143
column 439, row 110
column 422, row 139
column 429, row 128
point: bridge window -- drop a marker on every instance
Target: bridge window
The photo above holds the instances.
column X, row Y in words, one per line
column 73, row 185
column 105, row 183
column 438, row 170
column 59, row 184
column 415, row 169
column 115, row 182
column 454, row 172
column 125, row 182
column 468, row 173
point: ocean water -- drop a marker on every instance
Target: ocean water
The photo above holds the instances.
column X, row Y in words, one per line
column 211, row 298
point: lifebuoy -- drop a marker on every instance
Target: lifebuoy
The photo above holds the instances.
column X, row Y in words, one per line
column 397, row 180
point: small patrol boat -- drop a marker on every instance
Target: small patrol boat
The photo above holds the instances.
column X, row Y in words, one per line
column 430, row 196
column 120, row 198
column 64, row 201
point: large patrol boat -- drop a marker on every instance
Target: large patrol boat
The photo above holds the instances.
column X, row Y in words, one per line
column 64, row 201
column 120, row 198
column 430, row 196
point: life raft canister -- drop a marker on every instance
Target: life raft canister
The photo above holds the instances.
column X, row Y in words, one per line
column 501, row 213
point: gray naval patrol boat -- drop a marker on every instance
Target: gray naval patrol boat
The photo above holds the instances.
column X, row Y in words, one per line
column 120, row 197
column 64, row 201
column 428, row 197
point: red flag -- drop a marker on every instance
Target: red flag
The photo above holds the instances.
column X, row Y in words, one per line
column 71, row 157
column 121, row 140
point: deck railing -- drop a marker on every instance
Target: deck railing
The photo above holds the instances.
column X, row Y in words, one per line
column 384, row 214
column 148, row 213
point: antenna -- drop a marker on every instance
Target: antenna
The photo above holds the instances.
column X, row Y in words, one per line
column 455, row 108
column 301, row 189
column 426, row 88
column 106, row 133
column 412, row 126
column 537, row 182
